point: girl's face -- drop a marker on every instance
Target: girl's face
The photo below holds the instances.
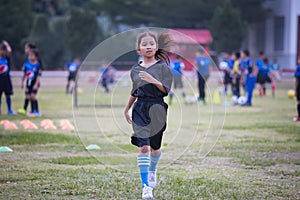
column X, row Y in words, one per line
column 147, row 47
column 32, row 57
column 26, row 49
column 243, row 55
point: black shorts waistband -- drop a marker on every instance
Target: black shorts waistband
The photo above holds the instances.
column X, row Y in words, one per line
column 150, row 99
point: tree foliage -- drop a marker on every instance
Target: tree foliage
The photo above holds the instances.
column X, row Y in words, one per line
column 46, row 41
column 227, row 27
column 15, row 21
column 82, row 28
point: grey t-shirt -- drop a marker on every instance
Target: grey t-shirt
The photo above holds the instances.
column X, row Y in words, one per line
column 143, row 89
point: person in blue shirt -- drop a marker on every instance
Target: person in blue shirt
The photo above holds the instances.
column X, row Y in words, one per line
column 73, row 68
column 226, row 66
column 32, row 69
column 250, row 72
column 202, row 64
column 107, row 75
column 297, row 89
column 177, row 67
column 5, row 80
column 263, row 75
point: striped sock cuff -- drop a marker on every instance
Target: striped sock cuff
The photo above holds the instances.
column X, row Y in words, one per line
column 143, row 163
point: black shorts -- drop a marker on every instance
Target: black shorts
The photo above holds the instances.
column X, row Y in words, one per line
column 262, row 79
column 6, row 85
column 149, row 122
column 29, row 87
column 72, row 76
column 227, row 78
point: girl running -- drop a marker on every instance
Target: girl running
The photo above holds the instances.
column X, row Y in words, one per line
column 151, row 80
column 5, row 81
column 32, row 71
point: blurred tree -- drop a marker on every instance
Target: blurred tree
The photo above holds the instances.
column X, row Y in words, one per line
column 251, row 11
column 82, row 28
column 15, row 23
column 46, row 41
column 62, row 54
column 227, row 28
column 169, row 14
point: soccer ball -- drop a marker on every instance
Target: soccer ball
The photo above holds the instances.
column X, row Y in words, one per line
column 242, row 100
column 223, row 65
column 291, row 94
column 191, row 100
column 234, row 100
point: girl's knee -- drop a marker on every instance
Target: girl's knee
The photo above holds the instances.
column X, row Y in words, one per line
column 155, row 152
column 144, row 149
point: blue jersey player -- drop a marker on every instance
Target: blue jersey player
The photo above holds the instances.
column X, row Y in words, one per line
column 202, row 64
column 5, row 80
column 73, row 68
column 250, row 72
column 32, row 71
column 177, row 67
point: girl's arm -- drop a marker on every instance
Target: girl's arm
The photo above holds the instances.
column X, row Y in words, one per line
column 22, row 80
column 131, row 100
column 150, row 79
column 8, row 47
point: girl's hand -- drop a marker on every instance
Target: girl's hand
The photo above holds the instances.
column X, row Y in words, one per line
column 128, row 117
column 147, row 77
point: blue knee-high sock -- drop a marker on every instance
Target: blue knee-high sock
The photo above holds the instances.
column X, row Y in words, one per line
column 143, row 163
column 8, row 102
column 153, row 161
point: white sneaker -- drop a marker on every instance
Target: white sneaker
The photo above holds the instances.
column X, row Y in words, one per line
column 147, row 192
column 152, row 179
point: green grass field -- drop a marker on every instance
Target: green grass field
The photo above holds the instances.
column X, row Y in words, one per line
column 209, row 152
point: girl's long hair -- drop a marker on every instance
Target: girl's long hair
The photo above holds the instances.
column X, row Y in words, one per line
column 163, row 41
column 36, row 52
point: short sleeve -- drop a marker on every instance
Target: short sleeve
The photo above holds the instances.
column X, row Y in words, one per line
column 167, row 77
column 134, row 84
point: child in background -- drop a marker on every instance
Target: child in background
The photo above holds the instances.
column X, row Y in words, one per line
column 236, row 73
column 73, row 68
column 297, row 89
column 263, row 76
column 32, row 71
column 202, row 64
column 177, row 66
column 5, row 80
column 108, row 73
column 27, row 48
column 227, row 69
column 250, row 72
column 152, row 81
column 275, row 74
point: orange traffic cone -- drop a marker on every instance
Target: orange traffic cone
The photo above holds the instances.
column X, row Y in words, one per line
column 10, row 126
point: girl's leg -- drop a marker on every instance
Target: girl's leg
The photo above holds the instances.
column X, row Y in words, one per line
column 8, row 103
column 298, row 109
column 0, row 101
column 33, row 102
column 143, row 164
column 154, row 158
column 26, row 101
